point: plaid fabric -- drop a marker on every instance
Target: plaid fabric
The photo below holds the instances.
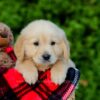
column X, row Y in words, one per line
column 13, row 86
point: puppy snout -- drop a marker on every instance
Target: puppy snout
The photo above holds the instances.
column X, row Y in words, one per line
column 46, row 56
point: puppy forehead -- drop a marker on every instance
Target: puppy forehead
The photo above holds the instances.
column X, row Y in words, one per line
column 43, row 37
column 42, row 27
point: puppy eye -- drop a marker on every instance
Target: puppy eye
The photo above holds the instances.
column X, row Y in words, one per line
column 53, row 43
column 36, row 43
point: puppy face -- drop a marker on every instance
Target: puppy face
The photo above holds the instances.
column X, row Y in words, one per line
column 44, row 49
column 43, row 42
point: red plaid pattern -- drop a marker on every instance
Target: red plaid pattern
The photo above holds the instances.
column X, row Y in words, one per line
column 13, row 86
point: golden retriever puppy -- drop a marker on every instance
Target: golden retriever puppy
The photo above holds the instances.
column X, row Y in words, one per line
column 42, row 45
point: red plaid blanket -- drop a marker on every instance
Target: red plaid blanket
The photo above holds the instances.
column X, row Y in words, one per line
column 13, row 86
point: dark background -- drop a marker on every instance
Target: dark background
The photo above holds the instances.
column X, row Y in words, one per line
column 80, row 19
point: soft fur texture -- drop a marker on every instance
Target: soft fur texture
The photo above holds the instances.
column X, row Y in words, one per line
column 6, row 40
column 40, row 38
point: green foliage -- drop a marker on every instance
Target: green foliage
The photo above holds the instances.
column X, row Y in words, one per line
column 81, row 22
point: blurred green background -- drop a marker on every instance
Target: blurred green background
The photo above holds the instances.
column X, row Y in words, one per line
column 80, row 19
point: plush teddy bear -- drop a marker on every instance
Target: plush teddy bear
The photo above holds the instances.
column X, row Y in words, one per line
column 6, row 42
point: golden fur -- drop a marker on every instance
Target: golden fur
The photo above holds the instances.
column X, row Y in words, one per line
column 36, row 39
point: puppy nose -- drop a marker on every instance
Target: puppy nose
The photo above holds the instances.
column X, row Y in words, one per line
column 46, row 56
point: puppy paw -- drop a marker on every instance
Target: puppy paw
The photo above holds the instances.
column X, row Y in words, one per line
column 30, row 77
column 58, row 77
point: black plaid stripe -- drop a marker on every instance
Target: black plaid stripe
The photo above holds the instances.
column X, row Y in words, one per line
column 47, row 89
column 6, row 93
column 41, row 87
column 38, row 92
column 43, row 90
column 58, row 93
column 63, row 88
column 22, row 90
column 37, row 85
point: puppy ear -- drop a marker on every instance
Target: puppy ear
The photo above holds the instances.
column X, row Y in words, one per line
column 19, row 48
column 66, row 49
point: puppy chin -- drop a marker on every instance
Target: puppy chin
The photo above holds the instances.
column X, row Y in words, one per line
column 43, row 65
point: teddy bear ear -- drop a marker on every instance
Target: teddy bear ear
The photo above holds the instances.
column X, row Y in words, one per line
column 19, row 48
